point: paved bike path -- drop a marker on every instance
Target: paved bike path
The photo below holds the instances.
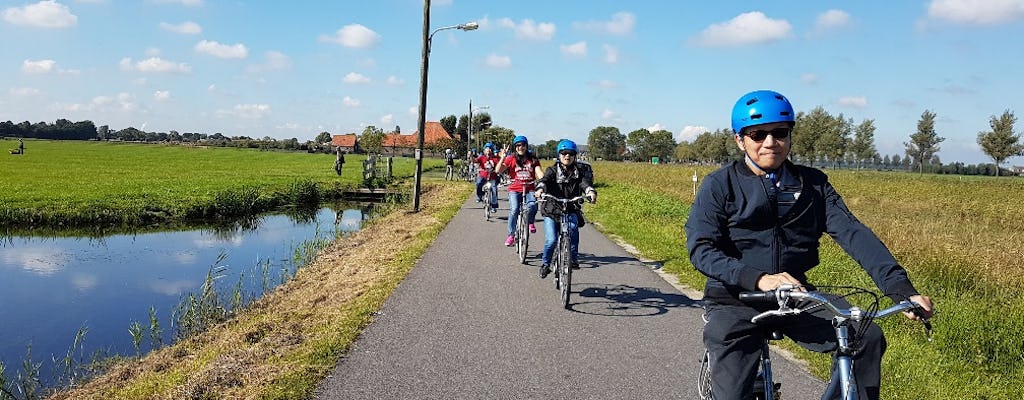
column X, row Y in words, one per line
column 470, row 321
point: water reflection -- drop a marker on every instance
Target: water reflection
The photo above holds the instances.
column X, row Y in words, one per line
column 52, row 286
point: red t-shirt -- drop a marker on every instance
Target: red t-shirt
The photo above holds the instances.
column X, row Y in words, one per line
column 487, row 166
column 520, row 175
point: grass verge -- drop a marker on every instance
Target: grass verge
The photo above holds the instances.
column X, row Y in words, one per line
column 959, row 250
column 287, row 342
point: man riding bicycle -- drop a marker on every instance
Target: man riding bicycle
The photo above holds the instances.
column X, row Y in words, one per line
column 524, row 168
column 755, row 225
column 486, row 164
column 566, row 179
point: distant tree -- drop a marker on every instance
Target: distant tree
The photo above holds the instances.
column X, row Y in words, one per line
column 862, row 147
column 807, row 133
column 644, row 144
column 547, row 150
column 685, row 151
column 323, row 137
column 462, row 130
column 1001, row 143
column 449, row 124
column 606, row 142
column 925, row 142
column 372, row 140
column 712, row 147
column 498, row 135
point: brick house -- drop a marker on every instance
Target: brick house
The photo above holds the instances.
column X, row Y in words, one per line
column 346, row 143
column 396, row 144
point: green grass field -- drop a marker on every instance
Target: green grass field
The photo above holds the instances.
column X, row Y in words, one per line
column 95, row 184
column 959, row 239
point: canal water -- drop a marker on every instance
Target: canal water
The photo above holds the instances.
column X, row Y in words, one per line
column 50, row 288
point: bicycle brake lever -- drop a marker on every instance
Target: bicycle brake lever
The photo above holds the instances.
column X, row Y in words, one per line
column 926, row 322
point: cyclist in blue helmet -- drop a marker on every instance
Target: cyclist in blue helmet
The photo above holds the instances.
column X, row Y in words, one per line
column 755, row 225
column 566, row 179
column 487, row 164
column 524, row 169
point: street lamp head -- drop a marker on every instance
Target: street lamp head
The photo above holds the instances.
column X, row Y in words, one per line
column 469, row 26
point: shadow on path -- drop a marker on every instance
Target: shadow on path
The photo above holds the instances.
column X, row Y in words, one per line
column 628, row 301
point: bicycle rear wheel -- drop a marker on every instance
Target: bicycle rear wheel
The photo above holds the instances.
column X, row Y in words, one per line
column 565, row 270
column 487, row 204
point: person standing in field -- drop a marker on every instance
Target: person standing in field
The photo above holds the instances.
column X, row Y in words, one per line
column 755, row 225
column 339, row 161
column 21, row 146
column 449, row 165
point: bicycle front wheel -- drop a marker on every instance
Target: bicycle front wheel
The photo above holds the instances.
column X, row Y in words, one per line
column 565, row 270
column 524, row 237
column 704, row 378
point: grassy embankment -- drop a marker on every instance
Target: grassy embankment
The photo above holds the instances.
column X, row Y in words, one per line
column 97, row 185
column 288, row 341
column 959, row 238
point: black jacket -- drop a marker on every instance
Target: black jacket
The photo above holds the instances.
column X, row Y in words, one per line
column 563, row 182
column 735, row 236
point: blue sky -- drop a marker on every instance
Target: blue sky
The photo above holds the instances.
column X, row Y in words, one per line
column 546, row 69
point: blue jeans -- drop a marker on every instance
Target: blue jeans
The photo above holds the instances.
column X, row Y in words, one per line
column 551, row 229
column 513, row 209
column 480, row 181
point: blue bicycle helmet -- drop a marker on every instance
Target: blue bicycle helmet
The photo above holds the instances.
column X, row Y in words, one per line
column 761, row 107
column 489, row 145
column 520, row 139
column 567, row 145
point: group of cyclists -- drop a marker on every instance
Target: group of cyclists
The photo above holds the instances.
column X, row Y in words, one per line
column 528, row 181
column 754, row 225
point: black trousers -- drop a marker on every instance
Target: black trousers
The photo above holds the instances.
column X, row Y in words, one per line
column 734, row 344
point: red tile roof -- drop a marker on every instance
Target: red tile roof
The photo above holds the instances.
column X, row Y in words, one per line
column 434, row 132
column 348, row 140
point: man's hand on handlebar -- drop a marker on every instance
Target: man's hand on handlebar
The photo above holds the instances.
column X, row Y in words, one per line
column 773, row 281
column 925, row 311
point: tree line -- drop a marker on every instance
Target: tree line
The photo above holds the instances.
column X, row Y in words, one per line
column 63, row 129
column 819, row 138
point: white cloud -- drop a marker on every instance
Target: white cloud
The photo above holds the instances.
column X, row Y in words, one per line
column 185, row 28
column 576, row 49
column 154, row 64
column 975, row 12
column 527, row 29
column 38, row 67
column 690, row 132
column 414, row 111
column 387, row 120
column 45, row 67
column 810, row 79
column 853, row 101
column 124, row 102
column 222, row 50
column 272, row 60
column 748, row 28
column 350, row 102
column 189, row 3
column 355, row 77
column 354, row 35
column 496, row 61
column 162, row 95
column 43, row 260
column 831, row 20
column 656, row 127
column 24, row 92
column 394, row 80
column 608, row 114
column 152, row 52
column 621, row 24
column 611, row 54
column 251, row 111
column 606, row 84
column 44, row 14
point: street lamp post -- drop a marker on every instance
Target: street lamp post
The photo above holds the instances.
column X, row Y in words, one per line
column 469, row 128
column 428, row 36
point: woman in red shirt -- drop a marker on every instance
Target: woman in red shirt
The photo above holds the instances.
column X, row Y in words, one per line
column 524, row 169
column 487, row 164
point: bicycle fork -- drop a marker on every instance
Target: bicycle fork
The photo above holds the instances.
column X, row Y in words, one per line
column 842, row 369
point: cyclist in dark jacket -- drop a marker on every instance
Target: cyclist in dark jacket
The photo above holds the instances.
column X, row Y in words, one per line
column 755, row 225
column 566, row 179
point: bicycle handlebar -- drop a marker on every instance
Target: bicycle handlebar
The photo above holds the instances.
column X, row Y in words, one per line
column 561, row 200
column 784, row 293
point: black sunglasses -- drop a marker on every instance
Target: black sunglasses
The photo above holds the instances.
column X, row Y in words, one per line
column 760, row 134
column 567, row 153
